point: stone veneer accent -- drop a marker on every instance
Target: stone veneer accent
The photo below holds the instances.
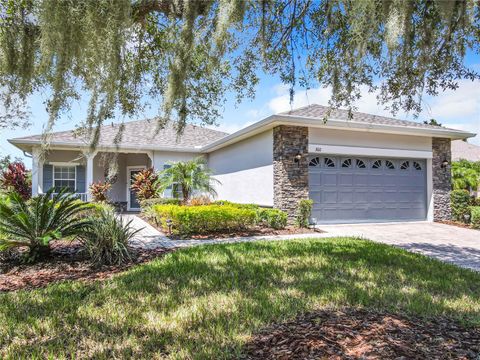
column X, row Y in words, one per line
column 442, row 179
column 290, row 178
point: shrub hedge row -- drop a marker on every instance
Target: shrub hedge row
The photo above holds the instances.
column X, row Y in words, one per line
column 204, row 219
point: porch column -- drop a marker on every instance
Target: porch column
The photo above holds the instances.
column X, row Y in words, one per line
column 37, row 172
column 89, row 173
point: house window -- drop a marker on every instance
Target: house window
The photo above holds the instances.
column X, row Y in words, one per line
column 417, row 165
column 405, row 165
column 328, row 163
column 377, row 164
column 314, row 162
column 347, row 163
column 389, row 165
column 64, row 177
column 361, row 164
column 174, row 190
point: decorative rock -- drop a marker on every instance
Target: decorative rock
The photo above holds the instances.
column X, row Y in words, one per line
column 290, row 175
column 442, row 179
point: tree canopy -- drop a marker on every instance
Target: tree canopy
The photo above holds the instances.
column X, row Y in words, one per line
column 187, row 55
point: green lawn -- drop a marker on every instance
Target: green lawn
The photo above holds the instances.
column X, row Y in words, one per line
column 204, row 302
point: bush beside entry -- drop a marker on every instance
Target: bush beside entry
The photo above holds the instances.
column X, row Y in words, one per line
column 460, row 202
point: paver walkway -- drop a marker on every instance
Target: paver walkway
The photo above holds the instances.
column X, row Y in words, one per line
column 447, row 243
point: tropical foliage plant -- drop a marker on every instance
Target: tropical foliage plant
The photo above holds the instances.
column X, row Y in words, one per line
column 99, row 191
column 145, row 184
column 465, row 175
column 190, row 176
column 106, row 240
column 38, row 221
column 188, row 55
column 15, row 177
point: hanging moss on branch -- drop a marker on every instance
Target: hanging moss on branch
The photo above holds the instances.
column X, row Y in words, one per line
column 186, row 56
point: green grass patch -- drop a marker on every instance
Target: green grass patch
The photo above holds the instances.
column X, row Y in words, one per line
column 205, row 302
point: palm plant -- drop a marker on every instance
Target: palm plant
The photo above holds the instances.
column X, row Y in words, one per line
column 465, row 175
column 190, row 177
column 35, row 223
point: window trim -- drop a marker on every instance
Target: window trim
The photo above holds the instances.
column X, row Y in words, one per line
column 63, row 165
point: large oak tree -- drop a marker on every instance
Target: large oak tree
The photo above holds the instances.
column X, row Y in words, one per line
column 186, row 55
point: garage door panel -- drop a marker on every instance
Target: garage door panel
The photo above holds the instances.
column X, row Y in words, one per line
column 329, row 196
column 363, row 191
column 360, row 179
column 345, row 179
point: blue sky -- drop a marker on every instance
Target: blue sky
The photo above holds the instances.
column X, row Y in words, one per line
column 457, row 109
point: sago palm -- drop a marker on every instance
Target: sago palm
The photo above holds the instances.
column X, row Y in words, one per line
column 35, row 223
column 190, row 176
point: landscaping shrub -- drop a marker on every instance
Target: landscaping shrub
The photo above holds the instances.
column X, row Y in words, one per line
column 460, row 203
column 200, row 200
column 205, row 219
column 274, row 218
column 304, row 212
column 35, row 223
column 475, row 217
column 145, row 184
column 106, row 241
column 159, row 201
column 237, row 205
column 15, row 177
column 99, row 191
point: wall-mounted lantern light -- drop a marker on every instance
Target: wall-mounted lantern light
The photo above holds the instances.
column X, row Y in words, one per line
column 297, row 158
column 444, row 164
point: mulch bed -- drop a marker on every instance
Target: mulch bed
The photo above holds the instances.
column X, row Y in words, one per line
column 457, row 224
column 362, row 334
column 66, row 262
column 257, row 231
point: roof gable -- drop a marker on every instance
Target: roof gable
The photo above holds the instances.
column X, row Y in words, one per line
column 316, row 111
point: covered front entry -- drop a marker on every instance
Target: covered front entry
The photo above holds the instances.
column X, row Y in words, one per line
column 361, row 189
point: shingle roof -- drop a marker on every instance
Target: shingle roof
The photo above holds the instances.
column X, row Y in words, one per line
column 319, row 112
column 140, row 134
column 464, row 150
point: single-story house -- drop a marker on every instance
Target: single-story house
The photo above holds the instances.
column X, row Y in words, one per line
column 361, row 169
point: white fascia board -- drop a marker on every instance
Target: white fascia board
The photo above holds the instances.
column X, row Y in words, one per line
column 382, row 128
column 275, row 120
column 368, row 151
column 69, row 146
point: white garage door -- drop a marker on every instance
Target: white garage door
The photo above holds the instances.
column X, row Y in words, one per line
column 359, row 189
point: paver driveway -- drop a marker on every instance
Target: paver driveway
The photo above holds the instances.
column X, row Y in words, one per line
column 447, row 243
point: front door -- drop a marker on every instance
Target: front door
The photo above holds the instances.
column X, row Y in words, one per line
column 132, row 200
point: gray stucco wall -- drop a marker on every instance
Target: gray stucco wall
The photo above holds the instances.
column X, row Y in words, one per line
column 245, row 170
